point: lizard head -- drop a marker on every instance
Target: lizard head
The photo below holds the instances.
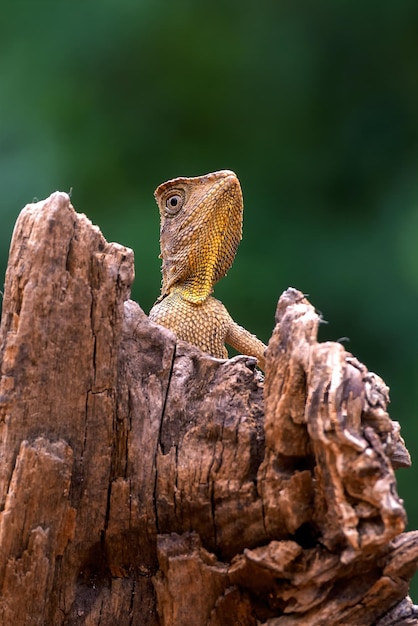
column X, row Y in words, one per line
column 201, row 227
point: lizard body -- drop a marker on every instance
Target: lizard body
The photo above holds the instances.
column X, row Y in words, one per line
column 201, row 227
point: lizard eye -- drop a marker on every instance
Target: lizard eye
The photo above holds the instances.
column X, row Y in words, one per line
column 173, row 203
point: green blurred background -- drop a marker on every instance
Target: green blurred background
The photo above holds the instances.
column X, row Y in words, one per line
column 313, row 103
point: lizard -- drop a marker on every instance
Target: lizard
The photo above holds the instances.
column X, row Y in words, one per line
column 201, row 227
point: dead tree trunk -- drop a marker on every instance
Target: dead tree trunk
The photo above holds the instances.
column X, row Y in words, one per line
column 143, row 482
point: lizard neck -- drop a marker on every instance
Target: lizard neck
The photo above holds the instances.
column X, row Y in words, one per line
column 193, row 290
column 199, row 280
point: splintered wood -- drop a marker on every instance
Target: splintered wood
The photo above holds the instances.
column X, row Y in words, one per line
column 143, row 482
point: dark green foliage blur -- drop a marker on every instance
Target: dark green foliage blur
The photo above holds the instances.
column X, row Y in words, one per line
column 313, row 104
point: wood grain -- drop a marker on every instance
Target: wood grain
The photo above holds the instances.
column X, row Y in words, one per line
column 143, row 482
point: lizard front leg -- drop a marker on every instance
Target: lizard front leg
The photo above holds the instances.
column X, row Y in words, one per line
column 246, row 343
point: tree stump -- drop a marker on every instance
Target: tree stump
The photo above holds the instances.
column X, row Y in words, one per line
column 143, row 482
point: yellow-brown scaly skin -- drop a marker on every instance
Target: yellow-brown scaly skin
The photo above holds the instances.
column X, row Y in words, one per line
column 201, row 227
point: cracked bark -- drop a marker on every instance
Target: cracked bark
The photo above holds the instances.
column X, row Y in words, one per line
column 144, row 482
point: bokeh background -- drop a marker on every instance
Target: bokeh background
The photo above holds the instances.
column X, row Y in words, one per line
column 313, row 103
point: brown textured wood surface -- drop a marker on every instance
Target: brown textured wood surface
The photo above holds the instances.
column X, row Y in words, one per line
column 143, row 482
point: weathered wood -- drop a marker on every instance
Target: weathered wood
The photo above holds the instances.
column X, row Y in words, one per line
column 144, row 482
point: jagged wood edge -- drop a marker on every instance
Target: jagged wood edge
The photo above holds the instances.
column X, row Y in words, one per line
column 129, row 508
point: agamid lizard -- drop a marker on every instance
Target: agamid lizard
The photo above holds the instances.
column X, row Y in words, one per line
column 201, row 227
